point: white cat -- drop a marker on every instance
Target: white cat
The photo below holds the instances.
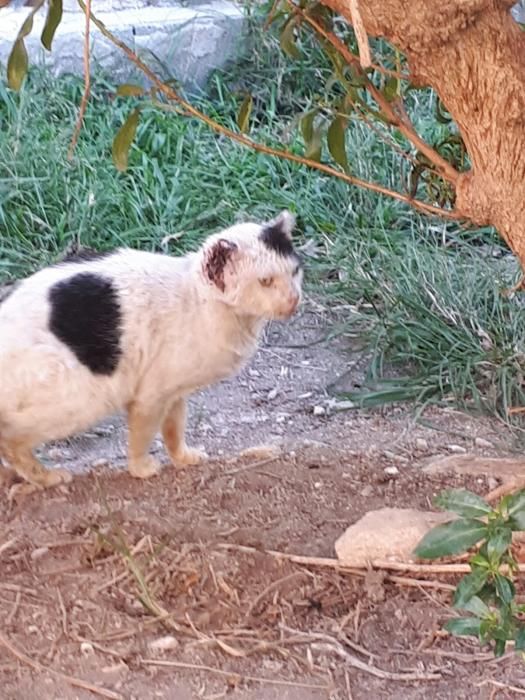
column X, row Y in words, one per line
column 138, row 331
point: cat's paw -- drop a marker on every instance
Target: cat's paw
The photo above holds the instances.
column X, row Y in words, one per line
column 189, row 456
column 144, row 468
column 57, row 476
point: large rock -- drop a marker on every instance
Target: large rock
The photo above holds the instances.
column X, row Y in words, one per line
column 178, row 41
column 388, row 534
column 504, row 468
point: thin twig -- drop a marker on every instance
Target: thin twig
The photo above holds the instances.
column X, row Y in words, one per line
column 6, row 545
column 37, row 666
column 324, row 642
column 327, row 562
column 172, row 94
column 62, row 612
column 252, row 465
column 419, row 583
column 445, row 169
column 9, row 619
column 272, row 587
column 233, row 674
column 502, row 686
column 87, row 84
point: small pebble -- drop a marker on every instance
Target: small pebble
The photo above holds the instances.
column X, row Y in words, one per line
column 367, row 491
column 391, row 471
column 39, row 552
column 481, row 442
column 86, row 648
column 457, row 449
column 164, row 643
column 421, row 444
column 100, row 463
column 492, row 483
column 271, row 394
column 319, row 411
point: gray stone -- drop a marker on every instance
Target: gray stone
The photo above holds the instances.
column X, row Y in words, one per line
column 388, row 534
column 501, row 467
column 176, row 41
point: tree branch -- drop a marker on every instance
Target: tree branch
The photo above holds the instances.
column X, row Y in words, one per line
column 173, row 95
column 400, row 122
column 87, row 84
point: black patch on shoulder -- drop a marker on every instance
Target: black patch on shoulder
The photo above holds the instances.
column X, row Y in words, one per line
column 277, row 240
column 86, row 316
column 77, row 254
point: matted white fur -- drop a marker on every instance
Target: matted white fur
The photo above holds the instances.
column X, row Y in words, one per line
column 185, row 324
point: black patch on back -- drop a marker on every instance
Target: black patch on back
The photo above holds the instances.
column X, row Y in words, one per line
column 277, row 240
column 86, row 316
column 78, row 254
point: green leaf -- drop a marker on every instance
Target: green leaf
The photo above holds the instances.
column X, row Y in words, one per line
column 53, row 19
column 451, row 538
column 478, row 608
column 307, row 125
column 463, row 502
column 469, row 586
column 504, row 588
column 478, row 560
column 336, row 142
column 17, row 64
column 516, row 507
column 498, row 542
column 287, row 39
column 124, row 139
column 520, row 638
column 499, row 647
column 391, row 89
column 415, row 176
column 315, row 146
column 243, row 118
column 464, row 626
column 442, row 115
column 129, row 90
column 28, row 23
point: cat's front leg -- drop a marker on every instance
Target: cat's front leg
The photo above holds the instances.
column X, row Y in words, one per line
column 173, row 430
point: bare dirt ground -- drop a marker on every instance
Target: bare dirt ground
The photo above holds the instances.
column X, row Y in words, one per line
column 165, row 589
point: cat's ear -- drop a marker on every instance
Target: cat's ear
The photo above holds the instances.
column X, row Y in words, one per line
column 283, row 224
column 277, row 234
column 217, row 257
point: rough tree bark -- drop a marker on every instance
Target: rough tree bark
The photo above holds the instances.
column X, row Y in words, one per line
column 472, row 53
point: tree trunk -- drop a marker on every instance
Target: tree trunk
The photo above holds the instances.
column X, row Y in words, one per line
column 472, row 53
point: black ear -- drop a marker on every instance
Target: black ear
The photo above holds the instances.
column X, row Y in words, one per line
column 216, row 260
column 277, row 234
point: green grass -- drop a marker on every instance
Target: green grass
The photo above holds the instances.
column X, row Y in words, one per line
column 430, row 311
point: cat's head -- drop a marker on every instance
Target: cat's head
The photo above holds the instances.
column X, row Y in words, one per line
column 254, row 268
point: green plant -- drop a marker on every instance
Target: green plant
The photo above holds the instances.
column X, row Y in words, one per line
column 488, row 592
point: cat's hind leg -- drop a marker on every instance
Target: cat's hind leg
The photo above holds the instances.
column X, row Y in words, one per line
column 20, row 458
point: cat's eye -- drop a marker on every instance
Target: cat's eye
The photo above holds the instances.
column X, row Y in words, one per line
column 296, row 270
column 266, row 281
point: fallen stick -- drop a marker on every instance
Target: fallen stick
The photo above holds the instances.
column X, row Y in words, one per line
column 330, row 563
column 232, row 674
